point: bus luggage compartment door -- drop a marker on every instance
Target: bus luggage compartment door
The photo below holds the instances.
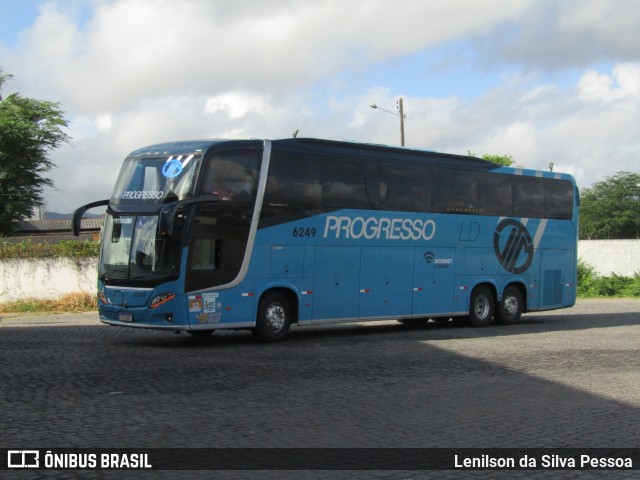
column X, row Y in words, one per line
column 433, row 281
column 335, row 285
column 385, row 282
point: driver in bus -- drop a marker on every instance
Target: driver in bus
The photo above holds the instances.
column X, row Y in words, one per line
column 234, row 191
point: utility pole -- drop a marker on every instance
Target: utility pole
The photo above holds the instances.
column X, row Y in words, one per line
column 399, row 114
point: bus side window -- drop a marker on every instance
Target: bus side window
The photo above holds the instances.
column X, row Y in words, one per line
column 217, row 245
column 405, row 187
column 558, row 198
column 455, row 191
column 344, row 183
column 294, row 185
column 232, row 176
column 528, row 197
column 495, row 194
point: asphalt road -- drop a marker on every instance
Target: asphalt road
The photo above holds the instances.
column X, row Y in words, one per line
column 567, row 378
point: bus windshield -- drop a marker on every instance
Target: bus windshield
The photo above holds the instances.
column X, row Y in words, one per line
column 133, row 250
column 156, row 180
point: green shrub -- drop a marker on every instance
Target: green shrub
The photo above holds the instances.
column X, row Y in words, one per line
column 65, row 248
column 632, row 289
column 591, row 285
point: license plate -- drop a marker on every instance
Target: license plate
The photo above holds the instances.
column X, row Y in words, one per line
column 125, row 317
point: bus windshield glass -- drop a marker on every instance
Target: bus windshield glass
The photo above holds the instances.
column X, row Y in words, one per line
column 133, row 250
column 156, row 180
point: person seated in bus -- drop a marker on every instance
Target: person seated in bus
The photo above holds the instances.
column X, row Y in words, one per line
column 239, row 191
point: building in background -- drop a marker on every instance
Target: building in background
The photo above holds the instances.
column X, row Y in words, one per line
column 56, row 230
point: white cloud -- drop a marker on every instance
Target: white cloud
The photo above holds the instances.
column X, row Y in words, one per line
column 141, row 48
column 236, row 104
column 557, row 35
column 623, row 83
column 103, row 122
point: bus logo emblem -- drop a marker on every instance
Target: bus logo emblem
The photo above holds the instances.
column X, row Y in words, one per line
column 514, row 248
column 172, row 168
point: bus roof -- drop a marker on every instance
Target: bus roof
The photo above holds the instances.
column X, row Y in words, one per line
column 304, row 144
column 381, row 152
column 191, row 146
column 351, row 148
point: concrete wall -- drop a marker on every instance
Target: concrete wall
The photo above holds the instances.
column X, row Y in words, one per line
column 49, row 278
column 606, row 256
column 46, row 278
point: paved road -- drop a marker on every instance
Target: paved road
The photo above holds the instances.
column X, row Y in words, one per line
column 568, row 378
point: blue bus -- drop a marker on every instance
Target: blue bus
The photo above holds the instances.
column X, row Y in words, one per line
column 263, row 234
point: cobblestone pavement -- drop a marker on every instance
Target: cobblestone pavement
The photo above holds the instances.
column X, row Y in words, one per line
column 567, row 378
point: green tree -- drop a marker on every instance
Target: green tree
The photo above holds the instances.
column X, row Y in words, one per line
column 29, row 130
column 611, row 209
column 504, row 160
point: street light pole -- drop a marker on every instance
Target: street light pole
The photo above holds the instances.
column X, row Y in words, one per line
column 399, row 114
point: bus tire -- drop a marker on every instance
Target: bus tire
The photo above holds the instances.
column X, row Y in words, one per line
column 481, row 307
column 274, row 318
column 510, row 307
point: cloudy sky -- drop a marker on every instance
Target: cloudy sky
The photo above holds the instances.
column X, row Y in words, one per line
column 541, row 80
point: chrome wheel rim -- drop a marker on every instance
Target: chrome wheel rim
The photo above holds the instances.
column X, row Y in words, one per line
column 511, row 305
column 275, row 317
column 481, row 307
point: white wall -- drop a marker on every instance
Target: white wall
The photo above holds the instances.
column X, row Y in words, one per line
column 48, row 278
column 607, row 256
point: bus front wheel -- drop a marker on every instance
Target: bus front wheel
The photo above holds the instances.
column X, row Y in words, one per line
column 510, row 307
column 481, row 307
column 274, row 318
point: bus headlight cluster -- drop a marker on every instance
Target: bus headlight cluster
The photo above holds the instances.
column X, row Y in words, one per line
column 160, row 299
column 102, row 297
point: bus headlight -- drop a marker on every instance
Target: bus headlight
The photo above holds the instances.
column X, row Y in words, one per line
column 102, row 297
column 160, row 299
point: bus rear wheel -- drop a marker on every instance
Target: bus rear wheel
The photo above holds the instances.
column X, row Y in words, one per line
column 510, row 307
column 481, row 307
column 274, row 318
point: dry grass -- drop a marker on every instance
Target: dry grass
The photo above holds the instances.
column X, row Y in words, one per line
column 70, row 302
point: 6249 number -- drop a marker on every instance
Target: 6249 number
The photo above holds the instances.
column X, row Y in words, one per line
column 304, row 232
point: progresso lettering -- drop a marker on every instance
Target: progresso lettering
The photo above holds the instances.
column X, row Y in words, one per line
column 142, row 195
column 379, row 228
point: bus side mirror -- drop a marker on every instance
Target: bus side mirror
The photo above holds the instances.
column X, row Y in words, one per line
column 165, row 223
column 76, row 221
column 171, row 220
column 172, row 216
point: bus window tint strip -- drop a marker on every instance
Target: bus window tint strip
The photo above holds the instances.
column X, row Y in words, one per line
column 305, row 185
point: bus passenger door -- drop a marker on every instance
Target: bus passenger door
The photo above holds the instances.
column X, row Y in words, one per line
column 433, row 281
column 335, row 284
